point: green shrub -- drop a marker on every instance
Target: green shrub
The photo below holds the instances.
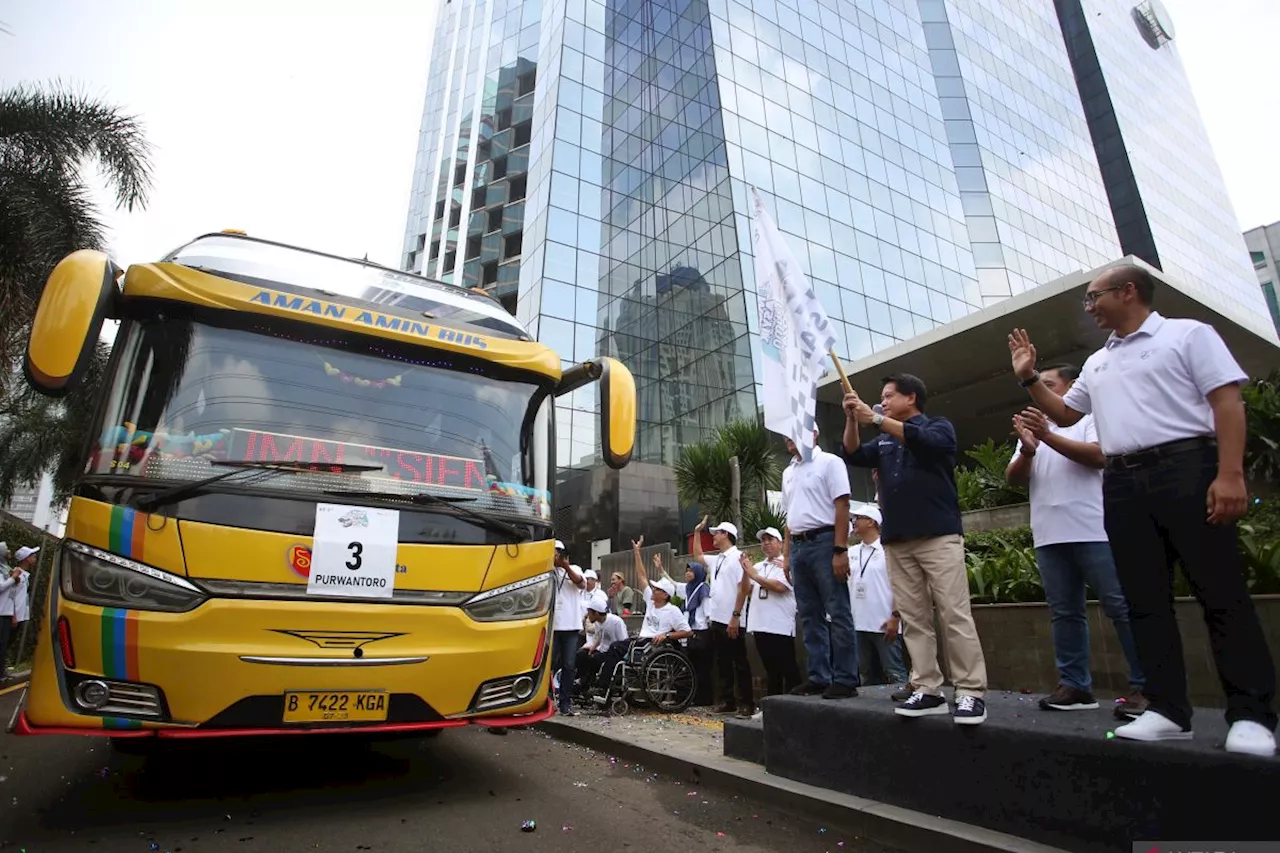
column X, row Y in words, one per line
column 1001, row 565
column 982, row 485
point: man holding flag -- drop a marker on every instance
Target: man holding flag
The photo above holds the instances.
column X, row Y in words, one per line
column 795, row 335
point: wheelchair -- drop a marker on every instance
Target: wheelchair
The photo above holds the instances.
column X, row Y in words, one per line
column 660, row 677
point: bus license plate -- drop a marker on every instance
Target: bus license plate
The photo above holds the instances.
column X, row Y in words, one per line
column 367, row 706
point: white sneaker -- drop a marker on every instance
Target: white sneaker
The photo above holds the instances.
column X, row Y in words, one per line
column 1153, row 726
column 1249, row 738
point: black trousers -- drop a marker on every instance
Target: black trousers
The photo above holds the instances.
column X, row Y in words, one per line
column 778, row 653
column 1155, row 516
column 732, row 666
column 6, row 632
column 702, row 655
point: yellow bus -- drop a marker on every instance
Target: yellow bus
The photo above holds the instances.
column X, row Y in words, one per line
column 317, row 499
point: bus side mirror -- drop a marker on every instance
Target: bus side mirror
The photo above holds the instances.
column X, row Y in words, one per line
column 77, row 298
column 617, row 412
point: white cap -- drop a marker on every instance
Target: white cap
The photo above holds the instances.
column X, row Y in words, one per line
column 560, row 546
column 666, row 585
column 591, row 573
column 726, row 527
column 23, row 553
column 870, row 511
column 598, row 606
column 768, row 531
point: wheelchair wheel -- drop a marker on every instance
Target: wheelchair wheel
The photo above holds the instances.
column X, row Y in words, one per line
column 669, row 680
column 619, row 707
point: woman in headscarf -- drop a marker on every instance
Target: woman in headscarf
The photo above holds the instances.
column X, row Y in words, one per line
column 696, row 598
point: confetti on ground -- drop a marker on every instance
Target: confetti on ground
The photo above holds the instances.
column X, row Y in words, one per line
column 528, row 826
column 1111, row 735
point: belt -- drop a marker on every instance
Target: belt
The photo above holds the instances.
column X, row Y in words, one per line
column 812, row 534
column 1154, row 455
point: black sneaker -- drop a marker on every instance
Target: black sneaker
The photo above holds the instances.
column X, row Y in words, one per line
column 922, row 705
column 1066, row 698
column 839, row 691
column 970, row 711
column 808, row 688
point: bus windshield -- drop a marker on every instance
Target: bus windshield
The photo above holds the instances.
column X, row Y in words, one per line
column 187, row 395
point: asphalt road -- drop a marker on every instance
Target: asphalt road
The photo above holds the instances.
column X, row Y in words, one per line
column 466, row 790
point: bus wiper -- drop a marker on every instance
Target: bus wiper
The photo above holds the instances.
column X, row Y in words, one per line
column 262, row 471
column 435, row 500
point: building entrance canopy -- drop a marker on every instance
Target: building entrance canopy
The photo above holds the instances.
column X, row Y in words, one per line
column 965, row 363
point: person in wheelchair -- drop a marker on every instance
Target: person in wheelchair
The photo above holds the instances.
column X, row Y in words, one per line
column 663, row 621
column 605, row 645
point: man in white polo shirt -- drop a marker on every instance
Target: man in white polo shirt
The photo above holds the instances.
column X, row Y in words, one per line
column 815, row 495
column 1063, row 468
column 725, row 574
column 1165, row 394
column 566, row 625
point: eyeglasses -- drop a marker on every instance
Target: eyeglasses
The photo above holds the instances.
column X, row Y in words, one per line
column 1091, row 298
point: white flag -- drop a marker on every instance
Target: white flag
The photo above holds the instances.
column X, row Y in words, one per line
column 795, row 334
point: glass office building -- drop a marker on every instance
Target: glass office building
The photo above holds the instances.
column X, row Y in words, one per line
column 589, row 163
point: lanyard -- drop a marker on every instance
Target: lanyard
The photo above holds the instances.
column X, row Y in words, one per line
column 867, row 561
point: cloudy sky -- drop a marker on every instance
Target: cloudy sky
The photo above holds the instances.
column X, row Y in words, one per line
column 298, row 121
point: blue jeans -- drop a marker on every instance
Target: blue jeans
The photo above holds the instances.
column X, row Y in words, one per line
column 832, row 647
column 875, row 652
column 564, row 657
column 1064, row 570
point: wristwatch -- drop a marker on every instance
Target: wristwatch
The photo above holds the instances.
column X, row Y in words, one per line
column 877, row 419
column 840, row 549
column 737, row 613
column 1031, row 380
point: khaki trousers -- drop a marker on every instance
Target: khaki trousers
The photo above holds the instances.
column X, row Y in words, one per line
column 927, row 574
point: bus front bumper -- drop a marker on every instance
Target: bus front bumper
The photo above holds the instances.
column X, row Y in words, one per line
column 23, row 726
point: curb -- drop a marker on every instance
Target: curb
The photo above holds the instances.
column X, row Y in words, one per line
column 885, row 824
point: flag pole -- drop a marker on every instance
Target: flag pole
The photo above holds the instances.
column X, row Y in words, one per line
column 844, row 379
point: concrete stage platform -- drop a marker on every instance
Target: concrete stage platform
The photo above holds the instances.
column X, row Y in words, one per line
column 1051, row 777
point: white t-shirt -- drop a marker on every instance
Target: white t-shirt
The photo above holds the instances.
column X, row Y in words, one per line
column 870, row 594
column 568, row 603
column 770, row 612
column 725, row 572
column 810, row 490
column 1066, row 497
column 22, row 597
column 1149, row 387
column 662, row 620
column 8, row 586
column 611, row 630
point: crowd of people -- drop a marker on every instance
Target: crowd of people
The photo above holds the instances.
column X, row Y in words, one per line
column 1134, row 464
column 15, row 598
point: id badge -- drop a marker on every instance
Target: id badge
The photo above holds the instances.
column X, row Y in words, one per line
column 764, row 593
column 860, row 590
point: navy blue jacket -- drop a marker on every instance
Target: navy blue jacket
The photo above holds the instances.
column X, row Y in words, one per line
column 918, row 497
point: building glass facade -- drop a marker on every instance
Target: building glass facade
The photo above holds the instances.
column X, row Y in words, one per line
column 1263, row 245
column 924, row 158
column 1169, row 200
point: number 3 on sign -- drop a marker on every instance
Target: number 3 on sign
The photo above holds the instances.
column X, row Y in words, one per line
column 354, row 551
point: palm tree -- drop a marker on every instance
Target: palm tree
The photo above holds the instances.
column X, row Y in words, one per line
column 39, row 434
column 702, row 469
column 47, row 139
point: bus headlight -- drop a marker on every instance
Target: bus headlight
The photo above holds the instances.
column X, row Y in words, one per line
column 92, row 576
column 526, row 599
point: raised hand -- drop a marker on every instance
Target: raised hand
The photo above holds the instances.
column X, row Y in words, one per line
column 1022, row 353
column 637, row 544
column 1027, row 439
column 702, row 525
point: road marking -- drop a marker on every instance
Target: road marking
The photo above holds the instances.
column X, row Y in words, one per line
column 13, row 688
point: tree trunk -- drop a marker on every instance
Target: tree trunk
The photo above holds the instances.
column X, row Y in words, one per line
column 735, row 494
